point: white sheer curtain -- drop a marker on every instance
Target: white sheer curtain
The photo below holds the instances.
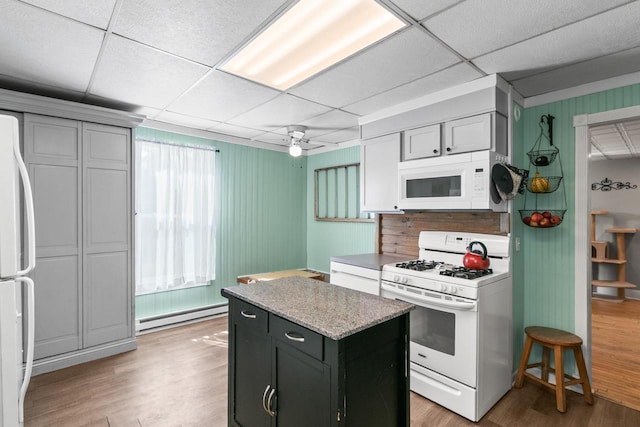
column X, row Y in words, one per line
column 175, row 223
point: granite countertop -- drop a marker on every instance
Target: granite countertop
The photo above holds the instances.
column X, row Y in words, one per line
column 370, row 261
column 332, row 311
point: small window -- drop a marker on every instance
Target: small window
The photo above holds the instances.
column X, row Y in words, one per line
column 337, row 194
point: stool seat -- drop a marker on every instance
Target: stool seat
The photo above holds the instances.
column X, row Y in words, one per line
column 558, row 341
column 552, row 336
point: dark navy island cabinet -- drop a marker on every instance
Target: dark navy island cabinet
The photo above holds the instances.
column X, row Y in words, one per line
column 283, row 374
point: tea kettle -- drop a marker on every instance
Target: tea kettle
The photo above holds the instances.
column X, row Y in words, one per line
column 476, row 259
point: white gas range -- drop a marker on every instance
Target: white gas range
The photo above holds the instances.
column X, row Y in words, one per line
column 461, row 331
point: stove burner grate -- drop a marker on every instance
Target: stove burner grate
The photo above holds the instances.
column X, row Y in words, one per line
column 466, row 273
column 418, row 265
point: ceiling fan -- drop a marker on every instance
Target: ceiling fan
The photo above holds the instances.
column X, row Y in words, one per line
column 296, row 136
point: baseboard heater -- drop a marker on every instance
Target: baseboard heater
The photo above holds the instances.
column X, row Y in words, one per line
column 179, row 318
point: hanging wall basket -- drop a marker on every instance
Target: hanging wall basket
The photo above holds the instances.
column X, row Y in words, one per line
column 541, row 210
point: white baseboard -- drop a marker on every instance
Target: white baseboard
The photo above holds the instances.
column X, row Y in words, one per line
column 178, row 319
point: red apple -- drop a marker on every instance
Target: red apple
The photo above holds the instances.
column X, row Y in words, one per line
column 555, row 219
column 546, row 214
column 545, row 222
column 533, row 223
column 526, row 220
column 536, row 216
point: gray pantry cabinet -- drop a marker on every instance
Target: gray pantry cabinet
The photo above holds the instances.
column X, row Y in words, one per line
column 81, row 179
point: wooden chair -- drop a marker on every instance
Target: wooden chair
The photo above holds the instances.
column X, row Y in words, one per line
column 558, row 341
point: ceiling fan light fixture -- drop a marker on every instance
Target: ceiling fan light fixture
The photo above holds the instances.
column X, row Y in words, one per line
column 309, row 37
column 294, row 149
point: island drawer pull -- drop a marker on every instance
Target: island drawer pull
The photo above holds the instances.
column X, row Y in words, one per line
column 248, row 314
column 294, row 336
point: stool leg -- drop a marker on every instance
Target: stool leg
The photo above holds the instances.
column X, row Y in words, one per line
column 582, row 369
column 561, row 399
column 524, row 361
column 545, row 364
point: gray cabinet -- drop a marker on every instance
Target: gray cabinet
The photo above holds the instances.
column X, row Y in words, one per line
column 379, row 159
column 81, row 176
column 107, row 296
column 421, row 142
column 482, row 132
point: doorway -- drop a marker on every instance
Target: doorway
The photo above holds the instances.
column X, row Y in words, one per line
column 605, row 327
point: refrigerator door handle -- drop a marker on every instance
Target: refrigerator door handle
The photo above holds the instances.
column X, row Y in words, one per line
column 29, row 342
column 28, row 202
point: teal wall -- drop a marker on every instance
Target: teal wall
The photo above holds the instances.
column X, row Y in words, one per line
column 545, row 263
column 261, row 221
column 324, row 238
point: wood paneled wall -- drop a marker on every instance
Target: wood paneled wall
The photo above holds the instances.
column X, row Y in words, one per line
column 398, row 234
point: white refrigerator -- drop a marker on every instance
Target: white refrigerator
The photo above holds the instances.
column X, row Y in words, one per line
column 14, row 285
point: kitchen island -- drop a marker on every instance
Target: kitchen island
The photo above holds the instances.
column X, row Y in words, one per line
column 303, row 352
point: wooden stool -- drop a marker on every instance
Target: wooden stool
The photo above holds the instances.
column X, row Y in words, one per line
column 558, row 341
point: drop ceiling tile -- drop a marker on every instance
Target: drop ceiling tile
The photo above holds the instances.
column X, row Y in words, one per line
column 419, row 10
column 221, row 96
column 201, row 30
column 399, row 59
column 344, row 135
column 96, row 13
column 329, row 122
column 613, row 31
column 452, row 76
column 188, row 121
column 140, row 75
column 272, row 138
column 282, row 111
column 240, row 131
column 45, row 48
column 475, row 27
column 601, row 68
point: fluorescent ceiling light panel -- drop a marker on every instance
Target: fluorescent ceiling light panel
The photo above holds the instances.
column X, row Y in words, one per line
column 309, row 37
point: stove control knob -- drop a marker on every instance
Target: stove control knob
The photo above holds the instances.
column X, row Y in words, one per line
column 454, row 290
column 405, row 280
column 444, row 288
column 396, row 278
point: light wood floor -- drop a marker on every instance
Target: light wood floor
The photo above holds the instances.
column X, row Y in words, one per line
column 615, row 334
column 178, row 377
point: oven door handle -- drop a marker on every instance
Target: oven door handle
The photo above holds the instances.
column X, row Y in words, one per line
column 423, row 299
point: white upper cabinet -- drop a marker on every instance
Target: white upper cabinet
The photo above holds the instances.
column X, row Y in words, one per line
column 468, row 134
column 421, row 142
column 379, row 159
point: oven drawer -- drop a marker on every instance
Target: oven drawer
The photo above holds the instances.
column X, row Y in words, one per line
column 453, row 395
column 296, row 336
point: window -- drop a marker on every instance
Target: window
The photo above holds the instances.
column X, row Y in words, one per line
column 337, row 194
column 175, row 223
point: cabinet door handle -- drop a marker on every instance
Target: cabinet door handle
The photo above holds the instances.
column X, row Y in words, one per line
column 294, row 336
column 248, row 314
column 264, row 399
column 270, row 409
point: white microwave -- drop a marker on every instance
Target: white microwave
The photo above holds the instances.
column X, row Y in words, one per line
column 453, row 182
